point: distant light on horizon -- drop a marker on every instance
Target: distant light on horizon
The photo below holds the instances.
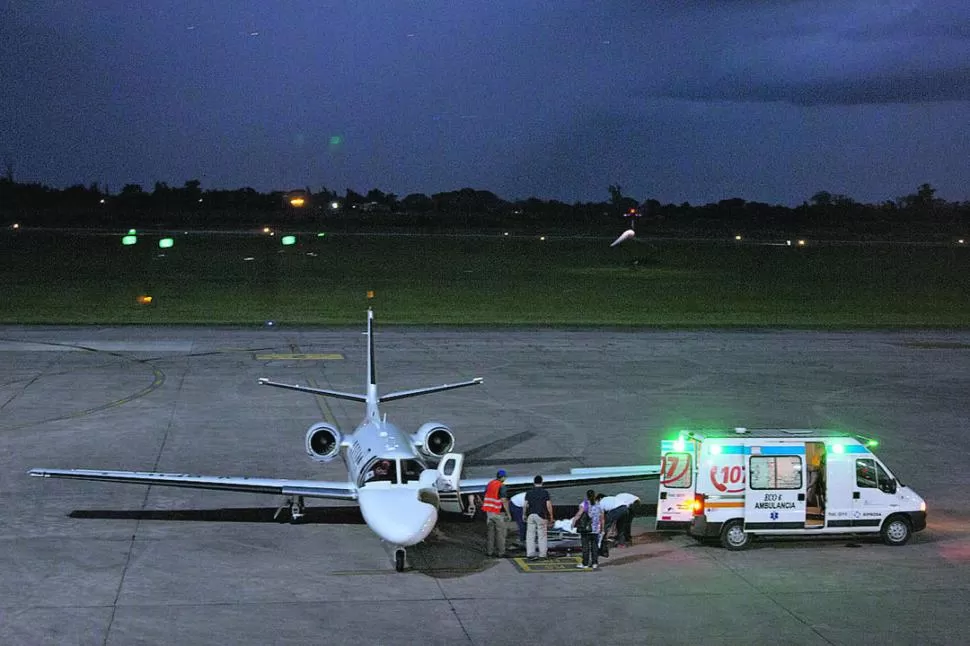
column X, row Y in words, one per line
column 165, row 243
column 288, row 240
column 129, row 240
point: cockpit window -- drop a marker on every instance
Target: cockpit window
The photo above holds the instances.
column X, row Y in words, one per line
column 381, row 470
column 411, row 470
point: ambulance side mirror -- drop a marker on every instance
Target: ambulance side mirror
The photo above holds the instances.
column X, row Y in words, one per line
column 888, row 487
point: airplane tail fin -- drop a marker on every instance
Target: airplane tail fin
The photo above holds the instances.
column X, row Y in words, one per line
column 371, row 399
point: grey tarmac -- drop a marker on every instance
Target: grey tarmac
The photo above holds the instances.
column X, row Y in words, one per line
column 94, row 563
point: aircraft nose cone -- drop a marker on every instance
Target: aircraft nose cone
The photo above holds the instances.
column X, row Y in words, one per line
column 396, row 514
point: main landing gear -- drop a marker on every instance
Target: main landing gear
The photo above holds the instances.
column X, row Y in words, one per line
column 296, row 507
column 399, row 555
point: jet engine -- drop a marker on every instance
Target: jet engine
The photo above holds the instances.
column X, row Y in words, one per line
column 434, row 439
column 323, row 442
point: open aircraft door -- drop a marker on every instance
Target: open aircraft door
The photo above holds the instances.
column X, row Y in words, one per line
column 449, row 482
column 775, row 496
column 677, row 486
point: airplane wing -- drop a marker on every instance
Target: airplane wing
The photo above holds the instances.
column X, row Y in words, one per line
column 308, row 488
column 578, row 477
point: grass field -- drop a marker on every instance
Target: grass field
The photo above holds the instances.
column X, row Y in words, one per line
column 204, row 279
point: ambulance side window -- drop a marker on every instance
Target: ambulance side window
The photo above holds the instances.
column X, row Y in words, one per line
column 870, row 474
column 776, row 472
column 676, row 472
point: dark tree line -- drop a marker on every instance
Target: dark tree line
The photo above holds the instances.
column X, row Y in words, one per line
column 920, row 215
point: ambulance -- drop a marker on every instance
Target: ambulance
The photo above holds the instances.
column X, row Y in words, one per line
column 737, row 484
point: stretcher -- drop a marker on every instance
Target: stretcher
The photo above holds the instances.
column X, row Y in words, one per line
column 562, row 530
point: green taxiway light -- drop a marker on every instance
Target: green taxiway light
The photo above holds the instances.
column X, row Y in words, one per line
column 288, row 240
column 321, row 235
column 129, row 240
column 131, row 232
column 165, row 243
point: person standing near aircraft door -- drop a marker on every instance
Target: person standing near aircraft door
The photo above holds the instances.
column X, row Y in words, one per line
column 516, row 504
column 496, row 508
column 538, row 513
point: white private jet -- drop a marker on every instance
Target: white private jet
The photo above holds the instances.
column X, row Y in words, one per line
column 387, row 473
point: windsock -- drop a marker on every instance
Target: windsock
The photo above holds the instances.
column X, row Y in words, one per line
column 626, row 235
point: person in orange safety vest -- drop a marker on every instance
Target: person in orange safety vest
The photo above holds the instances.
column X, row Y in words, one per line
column 496, row 508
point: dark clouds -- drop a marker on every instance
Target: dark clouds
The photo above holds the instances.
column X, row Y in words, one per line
column 768, row 100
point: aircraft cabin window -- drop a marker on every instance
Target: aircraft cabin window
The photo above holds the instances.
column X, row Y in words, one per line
column 411, row 470
column 382, row 470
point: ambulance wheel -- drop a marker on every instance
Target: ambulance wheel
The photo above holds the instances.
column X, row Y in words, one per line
column 733, row 536
column 895, row 531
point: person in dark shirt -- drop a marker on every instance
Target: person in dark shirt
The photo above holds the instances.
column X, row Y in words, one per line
column 538, row 514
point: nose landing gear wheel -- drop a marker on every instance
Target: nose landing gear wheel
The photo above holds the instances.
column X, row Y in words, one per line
column 399, row 560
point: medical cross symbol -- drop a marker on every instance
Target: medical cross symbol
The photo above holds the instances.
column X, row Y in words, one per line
column 774, row 515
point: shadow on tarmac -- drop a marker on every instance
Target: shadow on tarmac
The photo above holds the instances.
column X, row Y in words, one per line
column 313, row 515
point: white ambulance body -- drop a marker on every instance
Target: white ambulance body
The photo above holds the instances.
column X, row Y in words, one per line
column 732, row 485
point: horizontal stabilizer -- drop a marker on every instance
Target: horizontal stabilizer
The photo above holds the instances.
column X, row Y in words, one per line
column 401, row 394
column 263, row 381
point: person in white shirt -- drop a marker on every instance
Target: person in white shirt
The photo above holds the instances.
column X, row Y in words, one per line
column 516, row 503
column 619, row 511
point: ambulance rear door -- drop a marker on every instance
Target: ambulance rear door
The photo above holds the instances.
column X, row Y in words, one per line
column 677, row 484
column 775, row 495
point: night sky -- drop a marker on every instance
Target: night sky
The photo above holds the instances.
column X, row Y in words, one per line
column 768, row 100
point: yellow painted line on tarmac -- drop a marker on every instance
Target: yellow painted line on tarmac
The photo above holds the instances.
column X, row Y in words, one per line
column 552, row 564
column 298, row 356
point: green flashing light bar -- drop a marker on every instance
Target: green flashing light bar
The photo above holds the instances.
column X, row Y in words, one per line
column 288, row 240
column 166, row 243
column 129, row 240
